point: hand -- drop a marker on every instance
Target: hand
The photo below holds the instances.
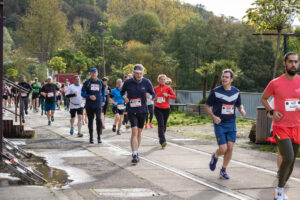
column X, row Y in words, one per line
column 93, row 97
column 277, row 116
column 103, row 104
column 43, row 94
column 165, row 94
column 217, row 120
column 126, row 100
column 115, row 103
column 148, row 95
column 75, row 94
column 243, row 113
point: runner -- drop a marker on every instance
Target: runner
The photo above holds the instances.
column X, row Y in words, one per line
column 125, row 118
column 286, row 118
column 74, row 93
column 10, row 97
column 117, row 106
column 49, row 92
column 25, row 96
column 93, row 91
column 107, row 92
column 162, row 107
column 6, row 94
column 223, row 100
column 149, row 116
column 42, row 100
column 35, row 95
column 138, row 90
column 58, row 97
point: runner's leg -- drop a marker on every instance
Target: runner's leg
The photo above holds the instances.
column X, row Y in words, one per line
column 228, row 154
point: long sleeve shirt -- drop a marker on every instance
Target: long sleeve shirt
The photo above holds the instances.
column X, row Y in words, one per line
column 161, row 100
column 96, row 88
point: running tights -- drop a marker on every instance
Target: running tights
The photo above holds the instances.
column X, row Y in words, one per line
column 150, row 109
column 288, row 151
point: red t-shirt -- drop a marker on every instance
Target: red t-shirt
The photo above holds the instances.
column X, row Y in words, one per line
column 286, row 95
column 161, row 100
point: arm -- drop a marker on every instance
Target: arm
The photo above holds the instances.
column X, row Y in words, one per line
column 83, row 91
column 68, row 93
column 151, row 90
column 211, row 114
column 171, row 94
column 242, row 110
column 264, row 100
column 103, row 92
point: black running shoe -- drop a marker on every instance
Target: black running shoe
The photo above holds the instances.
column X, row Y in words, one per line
column 52, row 118
column 99, row 141
column 135, row 159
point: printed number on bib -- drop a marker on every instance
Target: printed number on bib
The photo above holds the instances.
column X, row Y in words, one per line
column 135, row 103
column 292, row 104
column 23, row 94
column 227, row 109
column 161, row 99
column 50, row 94
column 95, row 87
column 120, row 107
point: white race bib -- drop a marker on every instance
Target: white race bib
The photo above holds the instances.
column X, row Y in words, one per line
column 95, row 87
column 161, row 100
column 227, row 109
column 50, row 94
column 23, row 94
column 135, row 102
column 4, row 94
column 292, row 104
column 120, row 107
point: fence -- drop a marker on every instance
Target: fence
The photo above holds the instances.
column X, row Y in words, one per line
column 249, row 100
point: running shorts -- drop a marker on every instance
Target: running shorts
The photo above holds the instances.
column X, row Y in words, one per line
column 225, row 131
column 137, row 119
column 115, row 110
column 283, row 133
column 73, row 112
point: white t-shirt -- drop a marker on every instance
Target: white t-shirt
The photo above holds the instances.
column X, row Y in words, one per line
column 75, row 102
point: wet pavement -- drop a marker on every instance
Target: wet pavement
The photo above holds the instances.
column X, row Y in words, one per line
column 79, row 170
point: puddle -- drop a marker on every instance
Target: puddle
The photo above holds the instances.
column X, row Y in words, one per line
column 55, row 177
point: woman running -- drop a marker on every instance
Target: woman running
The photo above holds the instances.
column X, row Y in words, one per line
column 162, row 107
column 149, row 116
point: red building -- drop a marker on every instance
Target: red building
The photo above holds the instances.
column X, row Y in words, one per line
column 63, row 78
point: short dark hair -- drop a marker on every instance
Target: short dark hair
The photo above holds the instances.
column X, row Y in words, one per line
column 286, row 56
column 228, row 71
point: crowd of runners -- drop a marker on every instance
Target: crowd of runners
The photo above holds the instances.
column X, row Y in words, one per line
column 135, row 101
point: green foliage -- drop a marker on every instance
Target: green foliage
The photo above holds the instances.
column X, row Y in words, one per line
column 142, row 27
column 11, row 73
column 57, row 64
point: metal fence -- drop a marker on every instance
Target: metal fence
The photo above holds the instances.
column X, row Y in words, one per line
column 249, row 100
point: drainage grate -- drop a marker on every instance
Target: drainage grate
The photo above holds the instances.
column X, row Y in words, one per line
column 127, row 192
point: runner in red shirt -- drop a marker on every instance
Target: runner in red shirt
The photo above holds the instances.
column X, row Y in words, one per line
column 162, row 107
column 286, row 118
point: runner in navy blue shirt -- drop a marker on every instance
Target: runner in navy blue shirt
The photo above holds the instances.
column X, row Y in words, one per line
column 223, row 100
column 138, row 90
column 93, row 91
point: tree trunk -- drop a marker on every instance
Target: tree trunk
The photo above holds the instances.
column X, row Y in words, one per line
column 214, row 82
column 277, row 53
column 204, row 87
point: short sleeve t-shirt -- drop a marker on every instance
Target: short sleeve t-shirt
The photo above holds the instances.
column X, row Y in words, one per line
column 115, row 94
column 50, row 89
column 286, row 95
column 224, row 102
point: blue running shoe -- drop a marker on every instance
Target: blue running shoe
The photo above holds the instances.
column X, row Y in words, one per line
column 223, row 174
column 213, row 162
column 49, row 123
column 72, row 131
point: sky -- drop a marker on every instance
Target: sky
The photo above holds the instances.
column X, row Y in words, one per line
column 235, row 8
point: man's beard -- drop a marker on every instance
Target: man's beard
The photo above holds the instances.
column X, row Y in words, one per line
column 290, row 72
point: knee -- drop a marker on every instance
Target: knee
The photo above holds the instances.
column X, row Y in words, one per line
column 222, row 150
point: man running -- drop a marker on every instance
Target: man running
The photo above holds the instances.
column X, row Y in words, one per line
column 93, row 91
column 286, row 118
column 74, row 93
column 223, row 100
column 25, row 97
column 35, row 95
column 117, row 106
column 138, row 90
column 49, row 91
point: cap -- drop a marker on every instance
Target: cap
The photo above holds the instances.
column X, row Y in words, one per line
column 49, row 77
column 36, row 78
column 93, row 70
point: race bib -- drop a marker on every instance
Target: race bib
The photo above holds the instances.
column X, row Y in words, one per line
column 227, row 109
column 23, row 94
column 135, row 103
column 95, row 87
column 50, row 94
column 120, row 107
column 292, row 104
column 4, row 94
column 161, row 100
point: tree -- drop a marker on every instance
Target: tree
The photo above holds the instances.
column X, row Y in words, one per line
column 205, row 71
column 142, row 27
column 129, row 69
column 44, row 26
column 273, row 15
column 57, row 64
column 7, row 43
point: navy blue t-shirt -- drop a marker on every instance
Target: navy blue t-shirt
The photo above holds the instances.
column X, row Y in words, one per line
column 136, row 93
column 224, row 102
column 96, row 88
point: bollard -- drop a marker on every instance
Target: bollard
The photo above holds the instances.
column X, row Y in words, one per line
column 263, row 125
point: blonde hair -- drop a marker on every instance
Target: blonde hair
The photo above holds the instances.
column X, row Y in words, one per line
column 168, row 80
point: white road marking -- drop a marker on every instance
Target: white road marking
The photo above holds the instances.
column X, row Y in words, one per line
column 127, row 192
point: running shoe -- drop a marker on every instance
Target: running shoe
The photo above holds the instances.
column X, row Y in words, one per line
column 114, row 128
column 91, row 141
column 146, row 125
column 26, row 112
column 279, row 195
column 164, row 144
column 52, row 118
column 49, row 123
column 223, row 174
column 213, row 162
column 127, row 126
column 23, row 120
column 135, row 159
column 99, row 141
column 150, row 124
column 71, row 131
column 118, row 132
column 79, row 134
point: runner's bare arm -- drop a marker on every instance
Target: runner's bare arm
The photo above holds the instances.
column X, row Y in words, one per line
column 242, row 110
column 264, row 100
column 211, row 114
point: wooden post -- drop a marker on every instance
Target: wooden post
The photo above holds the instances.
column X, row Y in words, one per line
column 263, row 125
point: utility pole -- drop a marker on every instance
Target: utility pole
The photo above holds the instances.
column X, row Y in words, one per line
column 103, row 54
column 1, row 75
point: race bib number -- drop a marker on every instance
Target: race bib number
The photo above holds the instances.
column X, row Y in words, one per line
column 135, row 103
column 161, row 100
column 4, row 94
column 50, row 94
column 95, row 87
column 120, row 107
column 292, row 104
column 227, row 109
column 23, row 94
